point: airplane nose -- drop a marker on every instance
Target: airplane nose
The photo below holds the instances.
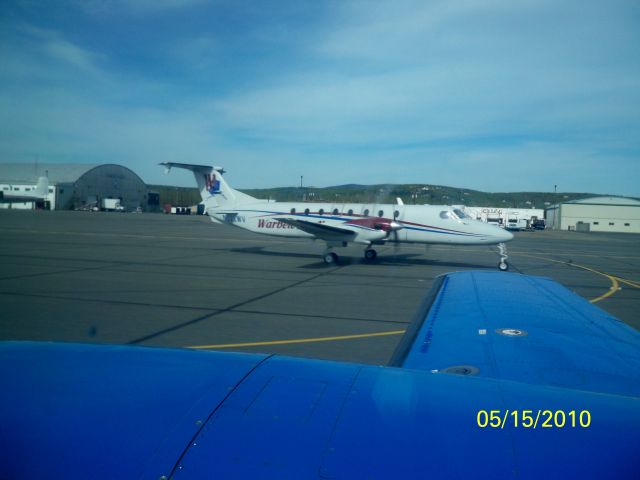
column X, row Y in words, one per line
column 505, row 236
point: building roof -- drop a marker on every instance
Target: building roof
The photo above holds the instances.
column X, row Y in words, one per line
column 607, row 201
column 57, row 172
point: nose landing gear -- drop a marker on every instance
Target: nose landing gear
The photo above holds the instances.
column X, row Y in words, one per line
column 370, row 254
column 503, row 266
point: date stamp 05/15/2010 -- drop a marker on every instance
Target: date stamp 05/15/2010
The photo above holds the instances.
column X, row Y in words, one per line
column 533, row 419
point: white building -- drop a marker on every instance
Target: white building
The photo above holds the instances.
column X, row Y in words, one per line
column 503, row 216
column 77, row 186
column 596, row 214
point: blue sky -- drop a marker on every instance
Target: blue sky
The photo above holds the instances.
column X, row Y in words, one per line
column 497, row 95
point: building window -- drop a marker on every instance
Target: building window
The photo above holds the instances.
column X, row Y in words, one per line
column 596, row 223
column 27, row 189
column 61, row 191
column 17, row 189
column 627, row 225
column 611, row 224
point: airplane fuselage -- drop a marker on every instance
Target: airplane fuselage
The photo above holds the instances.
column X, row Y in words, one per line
column 414, row 223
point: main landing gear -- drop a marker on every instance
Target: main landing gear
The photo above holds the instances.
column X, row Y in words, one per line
column 503, row 265
column 370, row 254
column 331, row 258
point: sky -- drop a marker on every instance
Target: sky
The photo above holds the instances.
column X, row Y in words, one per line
column 496, row 95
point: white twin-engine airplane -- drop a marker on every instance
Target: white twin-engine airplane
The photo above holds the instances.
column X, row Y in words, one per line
column 339, row 224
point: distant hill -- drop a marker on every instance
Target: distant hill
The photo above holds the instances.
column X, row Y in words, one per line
column 383, row 193
column 416, row 194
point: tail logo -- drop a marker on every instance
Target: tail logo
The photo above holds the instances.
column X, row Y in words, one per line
column 213, row 184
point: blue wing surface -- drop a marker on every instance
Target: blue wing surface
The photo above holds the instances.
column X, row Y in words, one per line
column 521, row 328
column 87, row 411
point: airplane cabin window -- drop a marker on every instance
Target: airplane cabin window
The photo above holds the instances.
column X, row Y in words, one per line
column 335, row 211
column 350, row 212
column 396, row 214
column 366, row 212
column 293, row 210
column 321, row 211
column 306, row 211
column 381, row 213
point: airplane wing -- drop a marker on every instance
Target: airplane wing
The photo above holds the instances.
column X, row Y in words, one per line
column 520, row 328
column 320, row 230
column 103, row 411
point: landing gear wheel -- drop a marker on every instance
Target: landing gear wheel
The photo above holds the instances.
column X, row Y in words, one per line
column 330, row 258
column 370, row 254
column 503, row 265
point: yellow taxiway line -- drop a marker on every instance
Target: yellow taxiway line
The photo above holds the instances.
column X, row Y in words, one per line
column 301, row 340
column 615, row 286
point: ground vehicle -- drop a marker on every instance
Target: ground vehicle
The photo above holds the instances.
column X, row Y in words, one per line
column 538, row 224
column 516, row 224
column 111, row 205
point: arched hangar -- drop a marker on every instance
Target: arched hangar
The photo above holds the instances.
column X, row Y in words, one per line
column 77, row 186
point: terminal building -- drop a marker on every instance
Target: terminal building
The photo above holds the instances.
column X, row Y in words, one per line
column 596, row 214
column 74, row 186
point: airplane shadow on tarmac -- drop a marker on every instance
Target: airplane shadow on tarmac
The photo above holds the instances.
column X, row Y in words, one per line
column 391, row 259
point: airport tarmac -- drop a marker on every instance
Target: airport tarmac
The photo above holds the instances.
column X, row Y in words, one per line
column 182, row 281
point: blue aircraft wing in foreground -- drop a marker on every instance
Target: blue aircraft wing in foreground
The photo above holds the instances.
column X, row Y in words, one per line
column 500, row 376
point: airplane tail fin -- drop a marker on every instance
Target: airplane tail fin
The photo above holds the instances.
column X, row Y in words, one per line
column 214, row 190
column 42, row 188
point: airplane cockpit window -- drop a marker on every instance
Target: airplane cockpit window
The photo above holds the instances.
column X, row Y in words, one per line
column 446, row 214
column 460, row 214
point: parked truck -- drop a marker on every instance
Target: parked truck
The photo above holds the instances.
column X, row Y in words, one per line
column 111, row 205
